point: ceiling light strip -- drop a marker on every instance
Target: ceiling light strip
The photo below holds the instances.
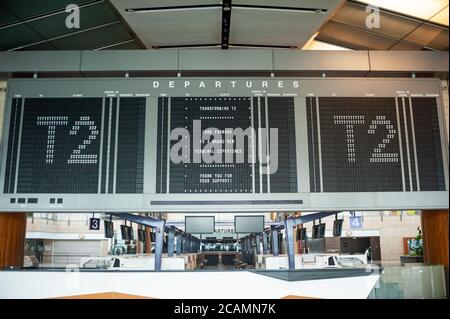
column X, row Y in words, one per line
column 278, row 8
column 113, row 45
column 265, row 46
column 213, row 45
column 173, row 8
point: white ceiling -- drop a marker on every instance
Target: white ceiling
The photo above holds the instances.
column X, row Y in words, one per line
column 284, row 25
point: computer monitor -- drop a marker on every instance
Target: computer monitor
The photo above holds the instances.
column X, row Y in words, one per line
column 142, row 235
column 130, row 233
column 152, row 237
column 249, row 224
column 109, row 229
column 337, row 227
column 199, row 224
column 124, row 232
column 301, row 234
column 318, row 231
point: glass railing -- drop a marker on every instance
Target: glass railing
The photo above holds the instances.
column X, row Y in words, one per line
column 415, row 281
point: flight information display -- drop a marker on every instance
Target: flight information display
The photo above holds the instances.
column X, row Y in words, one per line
column 223, row 145
column 374, row 144
column 68, row 145
column 218, row 145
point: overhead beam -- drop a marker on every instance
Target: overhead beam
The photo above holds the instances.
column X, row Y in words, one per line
column 308, row 63
column 226, row 22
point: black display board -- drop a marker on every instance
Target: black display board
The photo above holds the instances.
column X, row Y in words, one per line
column 64, row 144
column 60, row 145
column 220, row 116
column 374, row 144
column 360, row 145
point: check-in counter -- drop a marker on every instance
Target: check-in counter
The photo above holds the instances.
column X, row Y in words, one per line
column 215, row 258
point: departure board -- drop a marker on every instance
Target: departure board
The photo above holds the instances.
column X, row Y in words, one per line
column 215, row 159
column 60, row 146
column 223, row 145
column 369, row 144
column 68, row 145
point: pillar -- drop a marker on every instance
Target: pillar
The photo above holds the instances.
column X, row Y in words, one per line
column 435, row 236
column 148, row 242
column 12, row 239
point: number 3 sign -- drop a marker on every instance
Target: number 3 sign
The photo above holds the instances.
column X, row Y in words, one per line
column 94, row 223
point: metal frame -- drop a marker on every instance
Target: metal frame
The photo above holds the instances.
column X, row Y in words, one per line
column 149, row 201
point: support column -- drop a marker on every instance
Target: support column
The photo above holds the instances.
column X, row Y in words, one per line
column 138, row 243
column 289, row 228
column 159, row 237
column 12, row 239
column 179, row 240
column 265, row 244
column 148, row 241
column 171, row 243
column 435, row 236
column 258, row 244
column 275, row 250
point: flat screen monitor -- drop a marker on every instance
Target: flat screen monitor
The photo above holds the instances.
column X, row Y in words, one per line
column 301, row 234
column 142, row 235
column 130, row 233
column 337, row 227
column 318, row 231
column 109, row 229
column 249, row 224
column 124, row 232
column 199, row 224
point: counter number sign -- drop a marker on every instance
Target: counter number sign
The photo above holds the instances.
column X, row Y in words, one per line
column 356, row 222
column 94, row 223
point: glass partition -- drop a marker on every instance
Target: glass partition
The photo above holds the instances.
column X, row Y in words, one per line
column 415, row 281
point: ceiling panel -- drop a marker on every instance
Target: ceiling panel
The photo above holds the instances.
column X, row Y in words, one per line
column 339, row 34
column 406, row 46
column 167, row 28
column 136, row 4
column 23, row 9
column 317, row 45
column 94, row 39
column 17, row 36
column 312, row 4
column 6, row 17
column 430, row 36
column 281, row 28
column 390, row 24
column 90, row 16
column 441, row 17
column 422, row 9
column 41, row 46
